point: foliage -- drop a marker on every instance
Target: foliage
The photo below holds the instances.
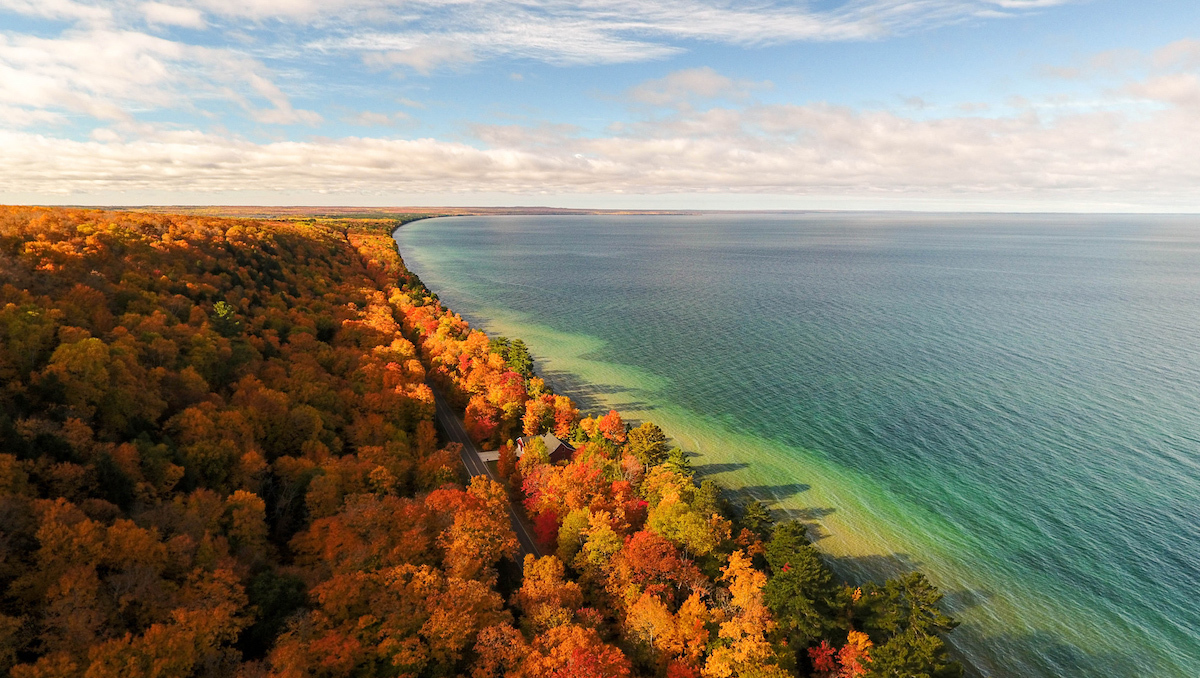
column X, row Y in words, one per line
column 648, row 443
column 209, row 427
column 756, row 518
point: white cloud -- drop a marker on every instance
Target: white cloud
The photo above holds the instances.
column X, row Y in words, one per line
column 372, row 119
column 285, row 116
column 283, row 9
column 423, row 58
column 105, row 135
column 1181, row 89
column 97, row 72
column 537, row 38
column 1028, row 4
column 609, row 31
column 281, row 111
column 1181, row 53
column 809, row 150
column 24, row 117
column 427, row 34
column 58, row 9
column 107, row 74
column 172, row 15
column 687, row 85
column 369, row 119
column 97, row 69
column 542, row 136
column 1126, row 63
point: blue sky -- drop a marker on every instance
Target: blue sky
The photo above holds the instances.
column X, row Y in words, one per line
column 871, row 104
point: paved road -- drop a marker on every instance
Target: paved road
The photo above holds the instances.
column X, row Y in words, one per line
column 470, row 457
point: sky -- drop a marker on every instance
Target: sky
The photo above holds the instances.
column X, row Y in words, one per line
column 997, row 105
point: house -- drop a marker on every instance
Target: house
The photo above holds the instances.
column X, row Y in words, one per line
column 559, row 451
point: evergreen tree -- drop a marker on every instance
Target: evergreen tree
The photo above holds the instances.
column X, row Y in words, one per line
column 519, row 359
column 801, row 591
column 757, row 519
column 501, row 346
column 677, row 461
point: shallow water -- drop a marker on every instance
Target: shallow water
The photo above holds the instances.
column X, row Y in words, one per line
column 1009, row 403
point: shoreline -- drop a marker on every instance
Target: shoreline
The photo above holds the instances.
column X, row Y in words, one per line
column 1008, row 623
column 838, row 532
column 575, row 384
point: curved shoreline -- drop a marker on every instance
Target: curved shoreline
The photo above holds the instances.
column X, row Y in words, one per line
column 838, row 531
column 1006, row 619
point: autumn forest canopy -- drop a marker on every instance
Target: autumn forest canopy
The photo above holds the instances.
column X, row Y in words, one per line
column 219, row 457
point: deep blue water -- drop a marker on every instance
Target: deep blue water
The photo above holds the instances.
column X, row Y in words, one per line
column 1022, row 392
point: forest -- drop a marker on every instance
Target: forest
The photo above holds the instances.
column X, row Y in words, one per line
column 219, row 457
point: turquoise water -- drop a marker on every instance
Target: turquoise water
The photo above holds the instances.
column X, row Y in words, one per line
column 1009, row 403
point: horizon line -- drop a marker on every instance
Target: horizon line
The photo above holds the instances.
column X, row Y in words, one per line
column 246, row 211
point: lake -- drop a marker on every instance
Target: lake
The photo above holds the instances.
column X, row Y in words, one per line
column 1010, row 403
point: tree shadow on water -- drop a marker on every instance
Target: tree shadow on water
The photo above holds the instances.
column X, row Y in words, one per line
column 809, row 514
column 627, row 406
column 989, row 654
column 957, row 601
column 773, row 494
column 713, row 469
column 590, row 396
column 857, row 570
column 772, row 498
column 877, row 567
column 1039, row 654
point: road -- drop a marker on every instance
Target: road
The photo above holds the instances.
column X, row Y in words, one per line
column 457, row 433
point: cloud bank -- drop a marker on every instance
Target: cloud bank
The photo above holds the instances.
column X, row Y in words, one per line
column 110, row 65
column 811, row 150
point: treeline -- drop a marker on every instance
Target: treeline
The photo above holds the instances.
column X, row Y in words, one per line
column 218, row 458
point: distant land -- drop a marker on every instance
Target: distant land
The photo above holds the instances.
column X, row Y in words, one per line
column 350, row 212
column 423, row 211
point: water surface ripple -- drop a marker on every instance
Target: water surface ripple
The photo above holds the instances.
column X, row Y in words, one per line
column 1010, row 403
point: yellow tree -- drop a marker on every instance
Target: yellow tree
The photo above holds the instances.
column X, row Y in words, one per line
column 745, row 650
column 481, row 533
column 545, row 596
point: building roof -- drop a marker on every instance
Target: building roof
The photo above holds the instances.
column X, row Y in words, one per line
column 551, row 440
